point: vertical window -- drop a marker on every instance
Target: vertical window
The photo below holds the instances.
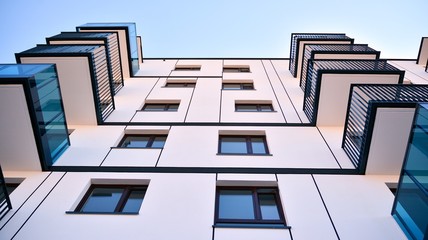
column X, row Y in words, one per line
column 156, row 107
column 143, row 141
column 112, row 199
column 253, row 108
column 248, row 205
column 243, row 145
column 238, row 86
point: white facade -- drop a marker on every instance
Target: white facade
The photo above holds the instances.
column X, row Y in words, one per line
column 304, row 162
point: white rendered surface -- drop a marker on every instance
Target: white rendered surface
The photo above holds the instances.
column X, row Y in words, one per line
column 16, row 131
column 389, row 140
column 334, row 94
column 360, row 206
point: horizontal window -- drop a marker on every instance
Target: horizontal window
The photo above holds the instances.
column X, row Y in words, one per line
column 237, row 86
column 187, row 68
column 248, row 206
column 180, row 84
column 243, row 145
column 236, row 69
column 143, row 141
column 112, row 199
column 160, row 107
column 253, row 107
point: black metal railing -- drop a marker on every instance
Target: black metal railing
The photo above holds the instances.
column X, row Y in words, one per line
column 104, row 95
column 5, row 204
column 295, row 42
column 316, row 67
column 364, row 99
column 312, row 49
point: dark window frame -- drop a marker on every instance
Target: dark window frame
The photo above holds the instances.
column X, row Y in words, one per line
column 227, row 69
column 152, row 138
column 257, row 106
column 166, row 108
column 248, row 144
column 127, row 190
column 242, row 86
column 187, row 68
column 256, row 206
column 184, row 84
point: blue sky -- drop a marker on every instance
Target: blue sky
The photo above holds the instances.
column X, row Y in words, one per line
column 221, row 28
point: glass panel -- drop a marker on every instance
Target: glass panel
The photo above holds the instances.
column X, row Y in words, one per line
column 172, row 107
column 134, row 201
column 266, row 108
column 102, row 200
column 246, row 108
column 247, row 86
column 268, row 207
column 231, row 86
column 159, row 142
column 258, row 145
column 135, row 142
column 154, row 107
column 236, row 204
column 233, row 145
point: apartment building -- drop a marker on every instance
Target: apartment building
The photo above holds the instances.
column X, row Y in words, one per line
column 100, row 143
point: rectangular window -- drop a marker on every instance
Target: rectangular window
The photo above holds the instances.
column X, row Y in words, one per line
column 112, row 199
column 181, row 84
column 253, row 108
column 236, row 69
column 248, row 205
column 252, row 145
column 143, row 141
column 187, row 68
column 160, row 107
column 238, row 86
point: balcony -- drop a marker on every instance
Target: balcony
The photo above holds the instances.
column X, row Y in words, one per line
column 130, row 49
column 109, row 40
column 411, row 203
column 84, row 79
column 298, row 41
column 32, row 117
column 377, row 125
column 5, row 204
column 328, row 83
column 336, row 52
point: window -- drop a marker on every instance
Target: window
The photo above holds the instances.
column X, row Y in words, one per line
column 181, row 84
column 143, row 141
column 187, row 68
column 112, row 199
column 160, row 107
column 248, row 206
column 243, row 145
column 253, row 108
column 238, row 86
column 236, row 69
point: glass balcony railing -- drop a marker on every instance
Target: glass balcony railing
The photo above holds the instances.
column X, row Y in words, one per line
column 41, row 82
column 411, row 203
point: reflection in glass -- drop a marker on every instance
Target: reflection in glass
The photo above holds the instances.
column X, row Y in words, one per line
column 258, row 145
column 102, row 200
column 236, row 204
column 134, row 201
column 233, row 145
column 136, row 142
column 268, row 207
column 159, row 142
